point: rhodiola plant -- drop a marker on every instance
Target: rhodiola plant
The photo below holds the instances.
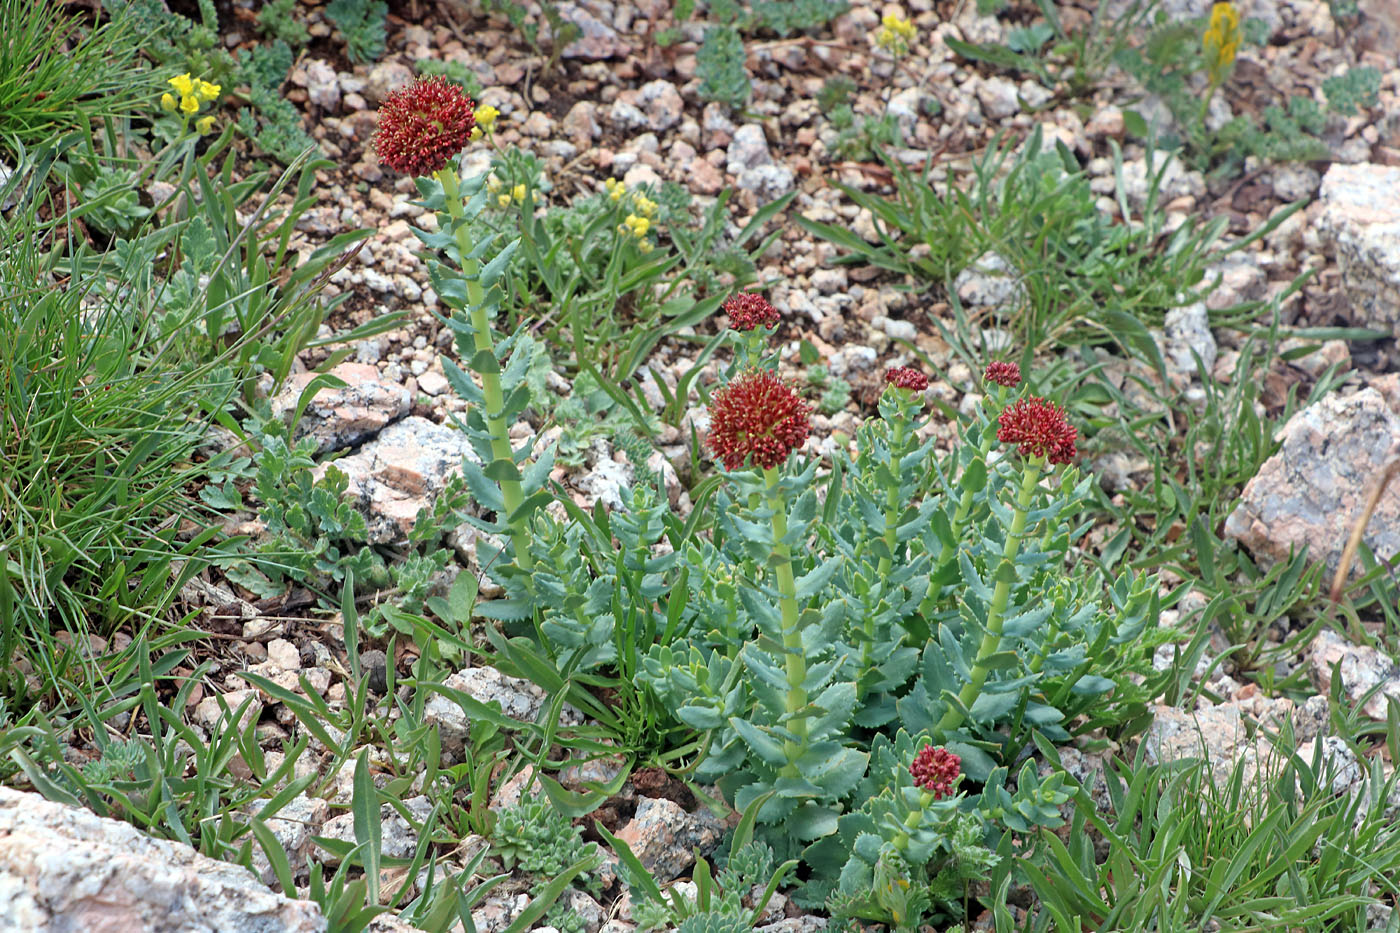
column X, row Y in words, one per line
column 897, row 591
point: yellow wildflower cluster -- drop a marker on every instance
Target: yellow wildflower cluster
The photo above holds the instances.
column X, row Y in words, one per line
column 895, row 34
column 1221, row 41
column 616, row 189
column 485, row 121
column 190, row 94
column 637, row 226
column 504, row 198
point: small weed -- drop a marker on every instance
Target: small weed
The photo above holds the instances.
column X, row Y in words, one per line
column 361, row 25
column 278, row 19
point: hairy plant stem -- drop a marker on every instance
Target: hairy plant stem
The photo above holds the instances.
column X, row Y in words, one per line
column 991, row 638
column 511, row 492
column 795, row 661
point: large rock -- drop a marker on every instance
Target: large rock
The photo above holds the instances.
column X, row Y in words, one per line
column 65, row 869
column 400, row 472
column 1312, row 490
column 1361, row 668
column 341, row 418
column 1360, row 220
column 665, row 837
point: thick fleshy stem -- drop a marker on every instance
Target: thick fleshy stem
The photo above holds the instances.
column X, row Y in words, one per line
column 795, row 661
column 911, row 822
column 960, row 515
column 512, row 493
column 905, row 405
column 991, row 638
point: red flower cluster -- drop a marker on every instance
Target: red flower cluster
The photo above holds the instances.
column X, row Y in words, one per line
column 1003, row 374
column 1040, row 428
column 906, row 377
column 757, row 415
column 935, row 770
column 424, row 124
column 747, row 311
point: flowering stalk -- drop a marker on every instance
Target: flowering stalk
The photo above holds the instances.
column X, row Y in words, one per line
column 1220, row 43
column 1005, row 376
column 757, row 420
column 756, row 321
column 795, row 660
column 991, row 638
column 906, row 388
column 511, row 492
column 1044, row 436
column 935, row 771
column 422, row 127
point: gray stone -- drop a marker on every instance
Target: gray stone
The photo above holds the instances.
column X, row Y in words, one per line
column 769, row 182
column 322, row 84
column 1219, row 734
column 64, row 869
column 9, row 200
column 398, row 473
column 748, row 150
column 1360, row 223
column 997, row 97
column 1294, row 181
column 664, row 836
column 661, row 103
column 1362, row 668
column 341, row 418
column 989, row 281
column 1312, row 490
column 293, row 826
column 399, row 838
column 605, row 481
column 519, row 699
column 385, row 78
column 1188, row 336
column 1175, row 180
column 597, row 41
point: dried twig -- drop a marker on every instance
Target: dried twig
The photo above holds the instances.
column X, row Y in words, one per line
column 1357, row 530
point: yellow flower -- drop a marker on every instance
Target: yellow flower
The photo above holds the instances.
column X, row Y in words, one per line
column 615, row 189
column 475, row 134
column 189, row 104
column 895, row 34
column 645, row 205
column 503, row 200
column 640, row 227
column 208, row 91
column 1221, row 41
column 486, row 117
column 518, row 192
column 167, row 102
column 182, row 84
column 644, row 247
column 204, row 125
column 493, row 184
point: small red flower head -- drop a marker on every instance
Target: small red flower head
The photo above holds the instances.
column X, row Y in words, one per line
column 747, row 311
column 760, row 415
column 1003, row 374
column 424, row 124
column 1040, row 428
column 935, row 770
column 906, row 377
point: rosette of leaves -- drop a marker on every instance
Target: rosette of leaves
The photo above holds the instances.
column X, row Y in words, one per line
column 539, row 840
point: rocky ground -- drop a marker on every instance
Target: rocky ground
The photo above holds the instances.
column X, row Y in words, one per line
column 620, row 106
